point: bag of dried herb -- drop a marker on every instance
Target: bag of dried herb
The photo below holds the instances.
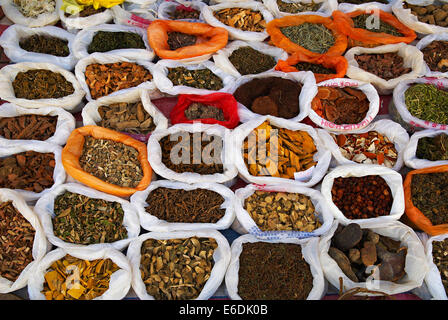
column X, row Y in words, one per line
column 435, row 54
column 38, row 85
column 250, row 276
column 126, row 41
column 278, row 212
column 74, row 216
column 282, row 8
column 365, row 194
column 193, row 153
column 103, row 275
column 277, row 94
column 215, row 108
column 241, row 58
column 33, row 14
column 174, row 78
column 46, row 44
column 243, row 20
column 427, row 148
column 103, row 74
column 382, row 142
column 421, row 103
column 31, row 168
column 131, row 113
column 167, row 206
column 323, row 67
column 425, row 194
column 107, row 160
column 436, row 257
column 50, row 124
column 309, row 34
column 22, row 241
column 385, row 67
column 379, row 242
column 178, row 265
column 191, row 11
column 307, row 160
column 361, row 32
column 87, row 18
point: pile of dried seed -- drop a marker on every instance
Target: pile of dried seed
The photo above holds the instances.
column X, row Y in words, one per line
column 176, row 269
column 28, row 127
column 273, row 211
column 198, row 110
column 83, row 220
column 126, row 117
column 16, row 242
column 199, row 78
column 46, row 45
column 240, row 18
column 111, row 161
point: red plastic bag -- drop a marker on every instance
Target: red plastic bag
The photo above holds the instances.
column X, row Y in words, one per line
column 224, row 101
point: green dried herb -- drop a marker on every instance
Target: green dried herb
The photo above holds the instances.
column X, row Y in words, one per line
column 104, row 41
column 41, row 84
column 247, row 60
column 429, row 192
column 83, row 220
column 200, row 78
column 46, row 45
column 296, row 7
column 433, row 149
column 427, row 102
column 361, row 22
column 312, row 36
column 315, row 68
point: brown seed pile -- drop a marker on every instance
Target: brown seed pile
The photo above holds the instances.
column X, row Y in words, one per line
column 176, row 269
column 28, row 127
column 16, row 242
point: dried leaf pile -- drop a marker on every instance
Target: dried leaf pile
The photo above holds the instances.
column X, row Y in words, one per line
column 176, row 269
column 178, row 40
column 199, row 78
column 386, row 66
column 240, row 18
column 198, row 110
column 45, row 44
column 28, row 127
column 247, row 60
column 433, row 149
column 315, row 68
column 435, row 55
column 296, row 7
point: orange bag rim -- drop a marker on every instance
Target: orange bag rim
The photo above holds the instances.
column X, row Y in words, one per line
column 413, row 213
column 73, row 150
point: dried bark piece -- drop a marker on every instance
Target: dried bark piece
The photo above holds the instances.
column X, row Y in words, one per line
column 349, row 237
column 392, row 266
column 368, row 254
column 355, row 256
column 343, row 263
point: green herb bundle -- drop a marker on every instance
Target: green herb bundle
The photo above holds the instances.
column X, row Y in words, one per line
column 427, row 102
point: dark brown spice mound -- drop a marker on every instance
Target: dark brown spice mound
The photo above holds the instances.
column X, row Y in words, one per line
column 198, row 110
column 315, row 68
column 178, row 40
column 436, row 56
column 28, row 127
column 247, row 60
column 45, row 44
column 273, row 271
column 384, row 65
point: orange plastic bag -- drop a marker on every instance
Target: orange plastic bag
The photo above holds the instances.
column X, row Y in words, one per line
column 415, row 215
column 73, row 150
column 279, row 40
column 339, row 64
column 358, row 37
column 209, row 39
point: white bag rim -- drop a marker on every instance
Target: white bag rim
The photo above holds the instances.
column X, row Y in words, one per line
column 14, row 14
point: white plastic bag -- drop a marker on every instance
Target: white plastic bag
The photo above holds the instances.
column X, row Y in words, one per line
column 64, row 126
column 423, row 43
column 166, row 8
column 307, row 93
column 8, row 74
column 152, row 223
column 412, row 58
column 409, row 154
column 120, row 280
column 45, row 210
column 392, row 130
column 12, row 12
column 371, row 94
column 10, row 42
column 222, row 61
column 392, row 178
column 306, row 179
column 91, row 116
column 40, row 243
column 401, row 113
column 105, row 58
column 166, row 86
column 415, row 266
column 370, row 7
column 41, row 147
column 325, row 10
column 249, row 225
column 135, row 14
column 410, row 20
column 75, row 23
column 221, row 258
column 229, row 173
column 309, row 252
column 433, row 279
column 235, row 33
column 84, row 38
